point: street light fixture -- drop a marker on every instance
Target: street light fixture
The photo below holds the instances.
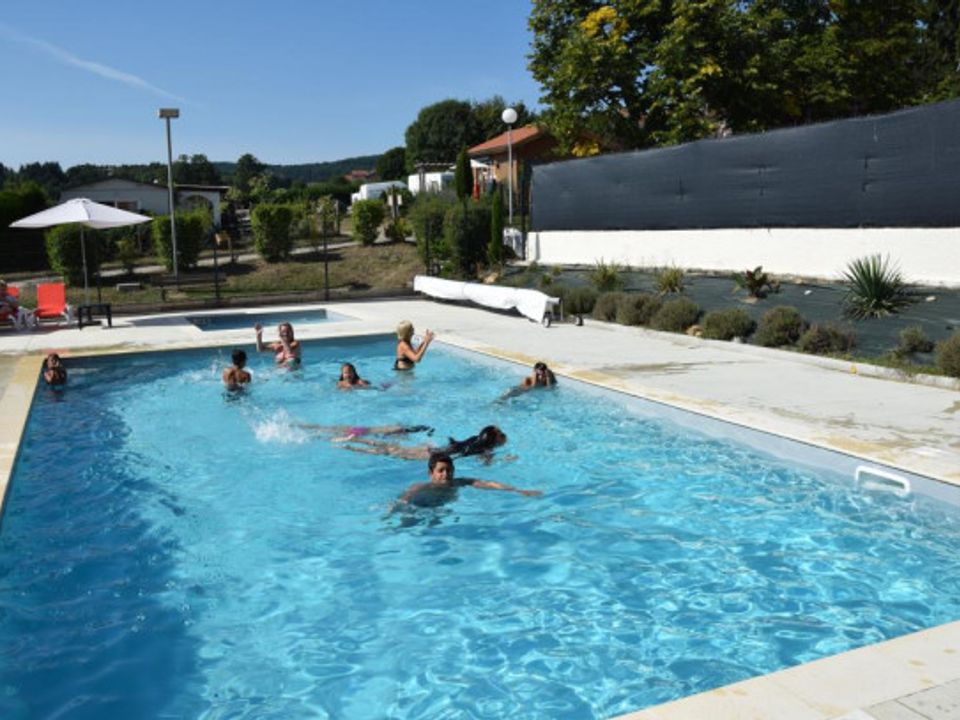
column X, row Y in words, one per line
column 509, row 116
column 168, row 114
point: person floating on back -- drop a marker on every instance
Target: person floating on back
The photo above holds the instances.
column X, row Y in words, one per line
column 407, row 357
column 349, row 433
column 237, row 376
column 286, row 350
column 443, row 485
column 54, row 371
column 482, row 444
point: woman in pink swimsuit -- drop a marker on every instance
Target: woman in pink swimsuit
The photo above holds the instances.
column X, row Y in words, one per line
column 286, row 350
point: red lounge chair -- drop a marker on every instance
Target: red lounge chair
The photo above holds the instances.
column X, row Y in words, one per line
column 52, row 302
column 12, row 292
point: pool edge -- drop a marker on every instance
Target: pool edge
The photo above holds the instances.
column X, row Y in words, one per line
column 895, row 668
column 16, row 401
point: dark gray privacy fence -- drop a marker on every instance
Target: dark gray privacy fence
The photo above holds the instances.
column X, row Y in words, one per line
column 896, row 170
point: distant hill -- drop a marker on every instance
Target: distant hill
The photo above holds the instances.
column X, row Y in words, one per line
column 310, row 172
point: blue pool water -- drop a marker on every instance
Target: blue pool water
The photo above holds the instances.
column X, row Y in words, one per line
column 168, row 552
column 238, row 321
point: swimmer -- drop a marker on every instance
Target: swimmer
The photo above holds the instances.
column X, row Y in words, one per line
column 286, row 350
column 349, row 433
column 542, row 377
column 236, row 376
column 349, row 378
column 482, row 445
column 443, row 485
column 407, row 357
column 54, row 372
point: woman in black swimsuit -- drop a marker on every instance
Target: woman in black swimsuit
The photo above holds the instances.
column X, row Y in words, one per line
column 482, row 444
column 407, row 357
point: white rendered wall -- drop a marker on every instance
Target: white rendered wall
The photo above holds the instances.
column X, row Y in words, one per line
column 929, row 256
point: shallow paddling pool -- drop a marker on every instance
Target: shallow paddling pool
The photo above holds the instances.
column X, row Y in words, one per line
column 167, row 551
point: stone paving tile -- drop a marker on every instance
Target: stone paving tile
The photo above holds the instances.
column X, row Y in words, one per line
column 939, row 703
column 892, row 710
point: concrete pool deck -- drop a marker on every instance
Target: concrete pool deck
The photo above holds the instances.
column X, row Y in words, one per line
column 854, row 409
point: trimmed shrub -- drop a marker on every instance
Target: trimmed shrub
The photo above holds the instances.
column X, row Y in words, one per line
column 578, row 300
column 466, row 231
column 825, row 339
column 128, row 252
column 271, row 230
column 397, row 230
column 727, row 324
column 676, row 315
column 192, row 229
column 495, row 248
column 605, row 307
column 637, row 308
column 948, row 355
column 913, row 340
column 427, row 220
column 64, row 252
column 782, row 325
column 367, row 217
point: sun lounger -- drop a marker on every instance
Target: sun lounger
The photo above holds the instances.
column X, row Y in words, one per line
column 529, row 303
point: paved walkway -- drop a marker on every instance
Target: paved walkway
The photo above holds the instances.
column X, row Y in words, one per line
column 836, row 405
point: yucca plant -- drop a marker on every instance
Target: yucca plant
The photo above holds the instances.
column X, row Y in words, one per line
column 876, row 288
column 756, row 282
column 669, row 280
column 606, row 278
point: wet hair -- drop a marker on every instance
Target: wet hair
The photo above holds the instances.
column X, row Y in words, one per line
column 542, row 367
column 287, row 324
column 51, row 355
column 356, row 375
column 239, row 358
column 439, row 457
column 404, row 330
column 487, row 439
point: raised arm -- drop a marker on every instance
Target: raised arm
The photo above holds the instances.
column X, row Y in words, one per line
column 490, row 485
column 258, row 329
column 416, row 355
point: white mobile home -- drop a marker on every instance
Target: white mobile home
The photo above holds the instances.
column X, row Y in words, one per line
column 432, row 182
column 372, row 191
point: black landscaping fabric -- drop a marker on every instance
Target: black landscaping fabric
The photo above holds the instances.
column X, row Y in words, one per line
column 937, row 310
column 895, row 170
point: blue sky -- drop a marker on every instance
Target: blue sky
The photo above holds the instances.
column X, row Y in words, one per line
column 290, row 81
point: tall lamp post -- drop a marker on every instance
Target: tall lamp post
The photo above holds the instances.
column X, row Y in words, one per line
column 168, row 114
column 509, row 116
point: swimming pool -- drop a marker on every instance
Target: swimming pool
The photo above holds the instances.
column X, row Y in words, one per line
column 238, row 321
column 203, row 557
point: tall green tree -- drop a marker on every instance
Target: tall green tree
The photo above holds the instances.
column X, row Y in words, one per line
column 248, row 167
column 636, row 73
column 439, row 132
column 940, row 57
column 463, row 176
column 592, row 61
column 49, row 175
column 487, row 114
column 392, row 165
column 195, row 170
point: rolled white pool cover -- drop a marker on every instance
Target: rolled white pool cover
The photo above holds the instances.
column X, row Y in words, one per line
column 529, row 303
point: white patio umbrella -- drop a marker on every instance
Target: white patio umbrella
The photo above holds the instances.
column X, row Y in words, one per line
column 86, row 212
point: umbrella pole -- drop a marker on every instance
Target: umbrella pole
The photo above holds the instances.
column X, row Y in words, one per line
column 83, row 255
